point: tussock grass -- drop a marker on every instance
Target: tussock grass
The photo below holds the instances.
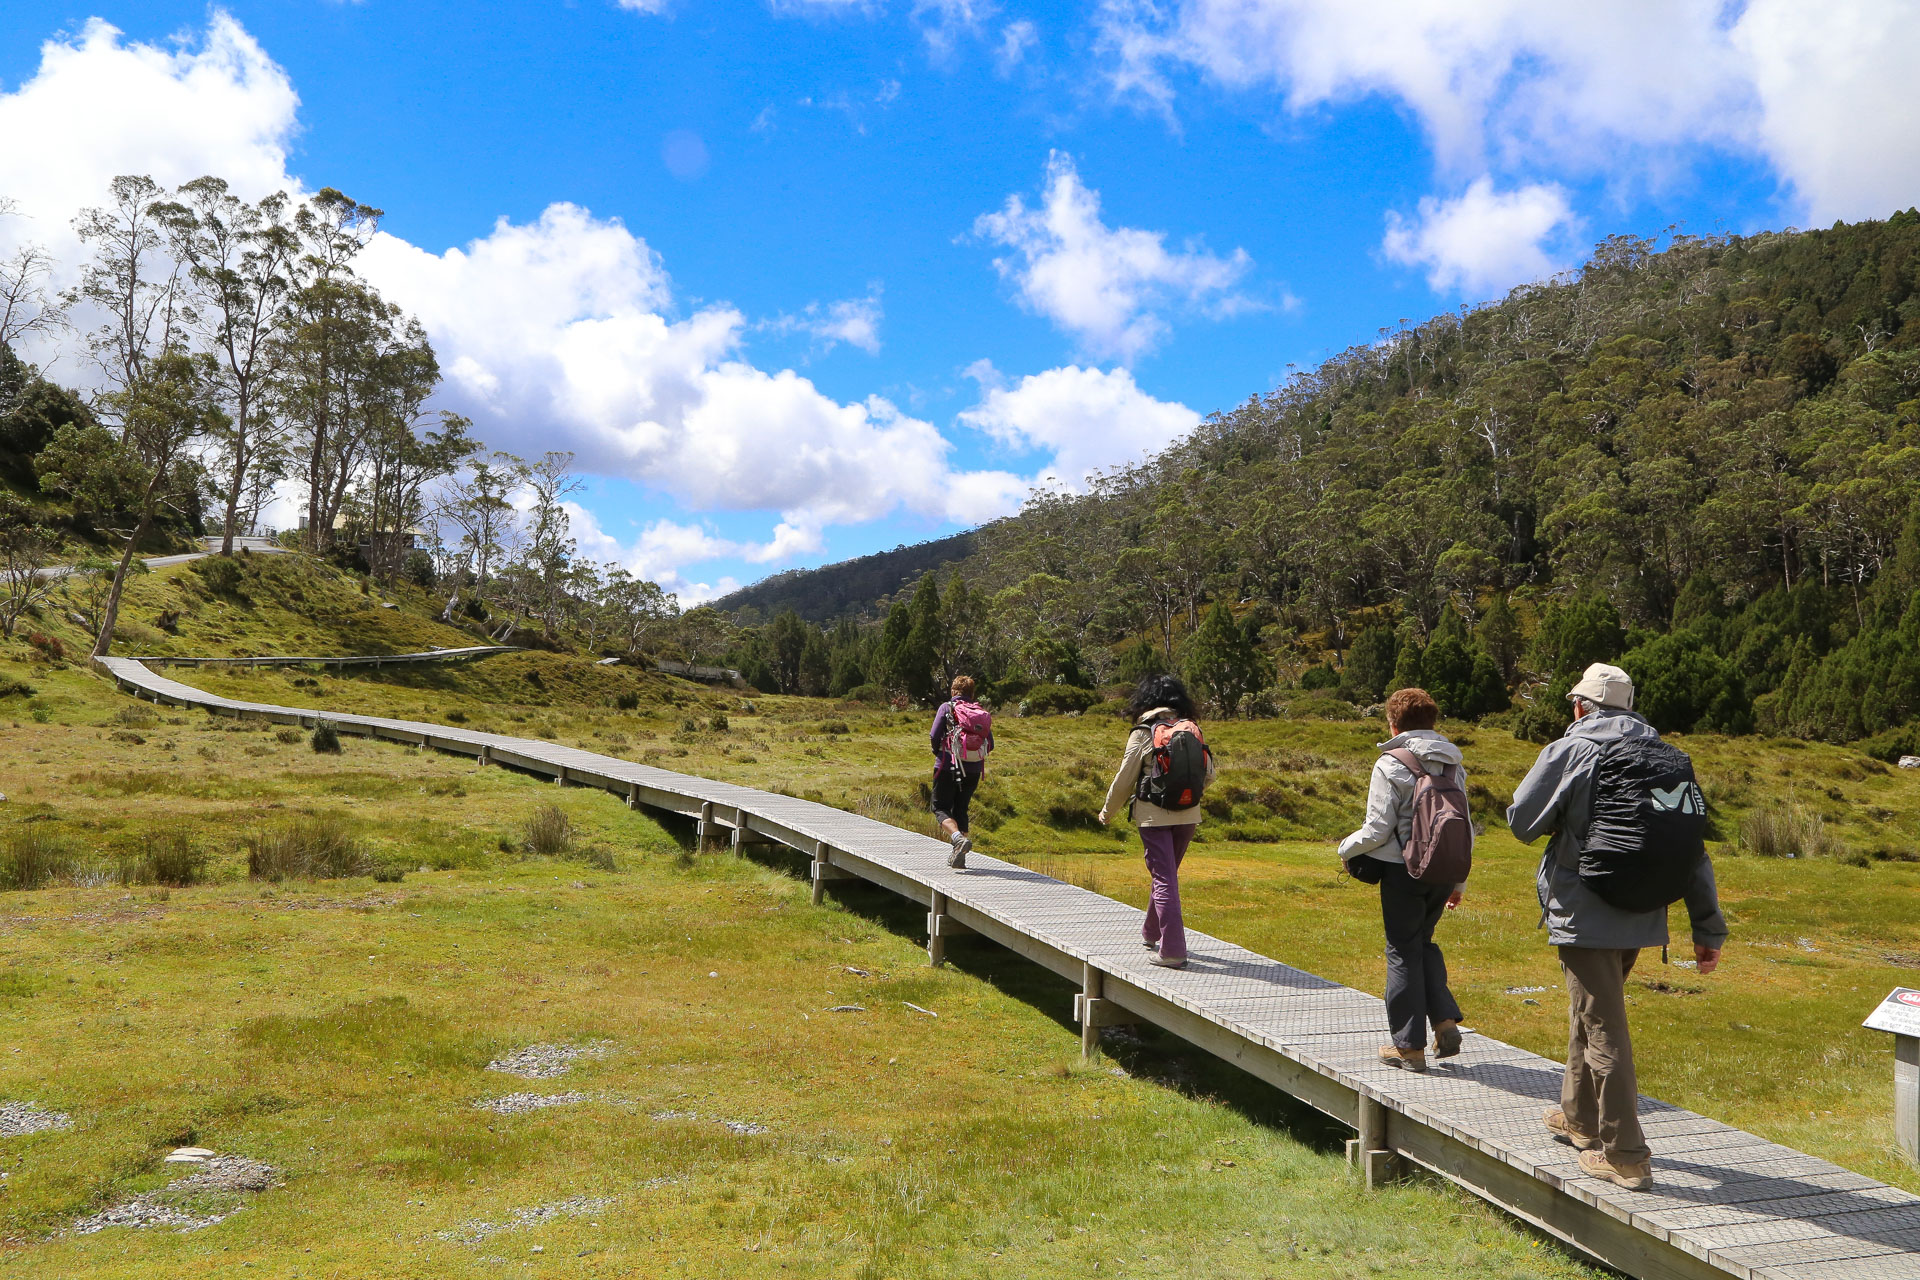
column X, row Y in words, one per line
column 170, row 856
column 325, row 739
column 315, row 848
column 32, row 856
column 1786, row 829
column 548, row 832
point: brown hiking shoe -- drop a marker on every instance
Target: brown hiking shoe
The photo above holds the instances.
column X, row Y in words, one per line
column 1557, row 1126
column 1405, row 1059
column 1446, row 1038
column 1634, row 1177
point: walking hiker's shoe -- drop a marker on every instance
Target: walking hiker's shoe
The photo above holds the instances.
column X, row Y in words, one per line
column 1563, row 1132
column 1151, row 946
column 1634, row 1177
column 1446, row 1038
column 961, row 847
column 1405, row 1059
column 1168, row 962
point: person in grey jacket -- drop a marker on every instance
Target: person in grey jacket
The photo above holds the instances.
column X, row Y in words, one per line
column 1599, row 942
column 1417, row 989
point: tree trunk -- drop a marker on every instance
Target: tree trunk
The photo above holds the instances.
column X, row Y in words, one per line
column 111, row 612
column 233, row 511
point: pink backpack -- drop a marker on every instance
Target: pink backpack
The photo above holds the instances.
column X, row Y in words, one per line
column 969, row 740
column 1440, row 848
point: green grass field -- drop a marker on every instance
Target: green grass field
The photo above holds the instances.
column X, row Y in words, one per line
column 340, row 1030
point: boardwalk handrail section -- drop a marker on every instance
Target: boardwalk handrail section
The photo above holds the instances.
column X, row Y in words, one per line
column 1725, row 1203
column 363, row 660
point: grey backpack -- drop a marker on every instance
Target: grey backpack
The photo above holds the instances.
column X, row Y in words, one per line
column 1440, row 848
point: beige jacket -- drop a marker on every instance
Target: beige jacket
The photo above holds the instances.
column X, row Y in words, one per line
column 1121, row 793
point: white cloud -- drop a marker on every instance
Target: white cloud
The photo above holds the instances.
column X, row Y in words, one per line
column 1086, row 419
column 652, row 8
column 1838, row 114
column 1624, row 90
column 1484, row 242
column 944, row 23
column 1017, row 39
column 97, row 107
column 1109, row 287
column 854, row 321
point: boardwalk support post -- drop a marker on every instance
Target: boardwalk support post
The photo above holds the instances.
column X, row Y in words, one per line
column 633, row 795
column 940, row 927
column 703, row 834
column 743, row 835
column 1092, row 1010
column 1377, row 1161
column 824, row 870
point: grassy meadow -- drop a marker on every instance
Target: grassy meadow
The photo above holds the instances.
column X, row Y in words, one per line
column 732, row 1123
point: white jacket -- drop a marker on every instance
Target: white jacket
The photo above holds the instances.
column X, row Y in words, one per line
column 1389, row 820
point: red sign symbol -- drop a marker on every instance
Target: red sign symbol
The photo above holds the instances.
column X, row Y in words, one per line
column 1908, row 997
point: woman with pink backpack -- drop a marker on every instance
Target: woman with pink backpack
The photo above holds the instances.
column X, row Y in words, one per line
column 962, row 735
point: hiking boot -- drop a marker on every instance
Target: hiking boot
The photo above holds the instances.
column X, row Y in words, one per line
column 1405, row 1059
column 1168, row 962
column 1446, row 1038
column 1634, row 1177
column 962, row 846
column 1563, row 1132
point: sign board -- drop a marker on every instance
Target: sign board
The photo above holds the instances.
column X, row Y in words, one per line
column 1898, row 1013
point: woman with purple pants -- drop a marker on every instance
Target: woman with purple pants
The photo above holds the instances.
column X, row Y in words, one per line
column 1160, row 707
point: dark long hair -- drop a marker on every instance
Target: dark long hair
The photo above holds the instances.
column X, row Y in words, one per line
column 1162, row 691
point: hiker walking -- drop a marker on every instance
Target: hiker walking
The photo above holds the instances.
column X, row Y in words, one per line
column 1162, row 775
column 1416, row 843
column 1628, row 824
column 962, row 735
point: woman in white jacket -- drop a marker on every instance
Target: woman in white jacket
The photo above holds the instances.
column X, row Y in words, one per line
column 1417, row 991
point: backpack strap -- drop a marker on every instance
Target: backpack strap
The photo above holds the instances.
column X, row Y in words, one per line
column 1411, row 762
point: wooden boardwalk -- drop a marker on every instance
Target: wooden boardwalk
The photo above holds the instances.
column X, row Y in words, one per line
column 365, row 660
column 1725, row 1203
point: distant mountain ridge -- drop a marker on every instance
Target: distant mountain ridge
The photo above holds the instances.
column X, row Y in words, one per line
column 851, row 588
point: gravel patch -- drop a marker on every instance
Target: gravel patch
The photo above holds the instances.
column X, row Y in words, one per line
column 742, row 1127
column 515, row 1104
column 572, row 1207
column 545, row 1061
column 162, row 1208
column 17, row 1118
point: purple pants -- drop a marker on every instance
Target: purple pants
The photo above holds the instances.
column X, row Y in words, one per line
column 1166, row 846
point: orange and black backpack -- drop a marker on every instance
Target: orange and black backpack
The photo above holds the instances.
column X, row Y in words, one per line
column 1174, row 773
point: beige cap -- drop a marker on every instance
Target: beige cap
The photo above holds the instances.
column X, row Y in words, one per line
column 1605, row 686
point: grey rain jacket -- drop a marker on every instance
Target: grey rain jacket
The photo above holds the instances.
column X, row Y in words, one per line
column 1557, row 796
column 1389, row 821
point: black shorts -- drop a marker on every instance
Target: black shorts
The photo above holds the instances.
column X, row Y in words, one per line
column 952, row 796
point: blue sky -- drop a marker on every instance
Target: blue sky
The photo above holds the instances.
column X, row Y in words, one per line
column 802, row 280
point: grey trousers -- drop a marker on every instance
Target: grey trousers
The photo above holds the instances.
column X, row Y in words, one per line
column 1600, row 1095
column 1417, row 992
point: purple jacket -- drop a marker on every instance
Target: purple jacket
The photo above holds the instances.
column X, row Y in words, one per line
column 942, row 728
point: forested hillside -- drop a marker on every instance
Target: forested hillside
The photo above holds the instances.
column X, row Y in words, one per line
column 852, row 588
column 1700, row 459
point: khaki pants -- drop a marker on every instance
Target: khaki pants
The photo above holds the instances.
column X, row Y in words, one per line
column 1600, row 1095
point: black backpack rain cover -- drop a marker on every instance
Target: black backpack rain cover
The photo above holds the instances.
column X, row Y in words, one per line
column 1648, row 829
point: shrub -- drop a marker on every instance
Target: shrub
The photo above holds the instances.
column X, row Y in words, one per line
column 326, row 738
column 170, row 856
column 1068, row 812
column 1786, row 830
column 456, row 716
column 626, row 702
column 220, row 574
column 12, row 688
column 834, row 727
column 417, row 568
column 390, row 873
column 718, row 722
column 307, row 848
column 40, row 711
column 549, row 831
column 1319, row 678
column 1321, row 706
column 1057, row 699
column 287, row 736
column 689, row 725
column 32, row 857
column 49, row 647
column 871, row 694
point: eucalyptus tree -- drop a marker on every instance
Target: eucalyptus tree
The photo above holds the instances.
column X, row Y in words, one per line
column 550, row 482
column 240, row 261
column 131, row 280
column 27, row 549
column 477, row 503
column 28, row 304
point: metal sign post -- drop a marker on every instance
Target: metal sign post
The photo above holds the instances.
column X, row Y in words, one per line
column 1900, row 1014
